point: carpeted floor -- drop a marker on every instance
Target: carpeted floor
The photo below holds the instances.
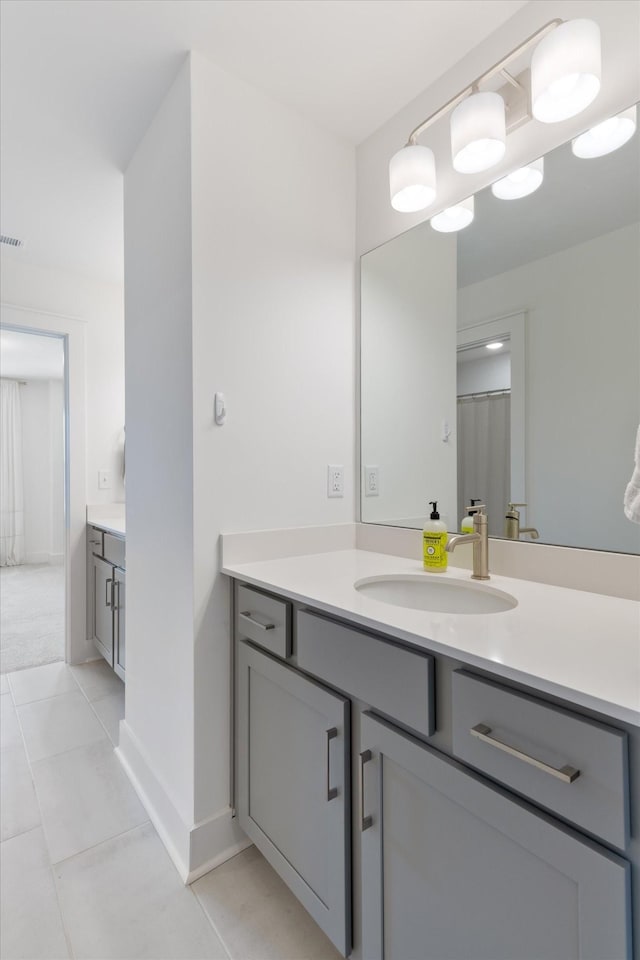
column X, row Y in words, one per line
column 31, row 615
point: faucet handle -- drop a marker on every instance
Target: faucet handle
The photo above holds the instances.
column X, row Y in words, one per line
column 512, row 505
column 477, row 508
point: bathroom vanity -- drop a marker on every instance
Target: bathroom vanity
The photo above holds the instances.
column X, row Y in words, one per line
column 106, row 591
column 436, row 784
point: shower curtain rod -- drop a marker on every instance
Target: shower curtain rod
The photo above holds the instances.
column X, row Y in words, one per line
column 484, row 393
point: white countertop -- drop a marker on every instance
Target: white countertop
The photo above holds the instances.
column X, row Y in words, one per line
column 109, row 517
column 583, row 647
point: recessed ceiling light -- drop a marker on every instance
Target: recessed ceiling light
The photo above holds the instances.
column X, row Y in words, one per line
column 495, row 345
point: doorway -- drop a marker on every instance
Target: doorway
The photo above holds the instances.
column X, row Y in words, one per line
column 33, row 461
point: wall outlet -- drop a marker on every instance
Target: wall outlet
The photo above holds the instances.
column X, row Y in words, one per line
column 104, row 479
column 335, row 480
column 371, row 482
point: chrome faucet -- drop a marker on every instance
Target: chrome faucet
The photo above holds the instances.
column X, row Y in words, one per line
column 480, row 540
column 512, row 528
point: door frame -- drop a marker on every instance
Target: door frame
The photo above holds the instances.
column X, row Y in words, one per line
column 78, row 647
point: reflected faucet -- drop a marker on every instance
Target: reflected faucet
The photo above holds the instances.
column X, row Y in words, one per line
column 480, row 540
column 512, row 528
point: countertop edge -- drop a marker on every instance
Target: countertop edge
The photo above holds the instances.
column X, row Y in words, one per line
column 606, row 708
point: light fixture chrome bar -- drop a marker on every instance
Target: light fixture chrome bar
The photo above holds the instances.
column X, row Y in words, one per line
column 498, row 67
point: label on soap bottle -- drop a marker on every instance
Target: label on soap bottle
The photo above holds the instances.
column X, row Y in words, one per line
column 434, row 552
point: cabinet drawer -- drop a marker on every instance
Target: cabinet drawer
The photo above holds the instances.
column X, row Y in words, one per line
column 264, row 620
column 569, row 764
column 114, row 550
column 94, row 540
column 391, row 679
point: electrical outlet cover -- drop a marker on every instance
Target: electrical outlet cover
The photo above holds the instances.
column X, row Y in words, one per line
column 335, row 480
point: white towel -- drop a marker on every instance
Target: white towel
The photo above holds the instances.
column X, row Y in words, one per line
column 632, row 493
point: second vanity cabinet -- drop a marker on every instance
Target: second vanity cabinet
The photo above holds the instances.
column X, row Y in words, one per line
column 106, row 596
column 449, row 860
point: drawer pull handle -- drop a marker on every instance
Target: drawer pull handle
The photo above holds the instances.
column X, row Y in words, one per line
column 567, row 774
column 365, row 822
column 332, row 792
column 256, row 623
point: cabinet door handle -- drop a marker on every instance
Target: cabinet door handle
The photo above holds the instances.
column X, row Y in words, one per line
column 256, row 623
column 116, row 585
column 332, row 792
column 566, row 773
column 365, row 822
column 108, row 601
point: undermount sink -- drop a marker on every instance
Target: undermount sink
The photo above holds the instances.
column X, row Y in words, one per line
column 425, row 592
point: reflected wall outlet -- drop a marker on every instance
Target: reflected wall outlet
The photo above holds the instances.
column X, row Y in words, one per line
column 371, row 482
column 335, row 480
column 104, row 479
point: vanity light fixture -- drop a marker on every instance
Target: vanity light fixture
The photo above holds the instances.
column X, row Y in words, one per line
column 607, row 136
column 454, row 218
column 565, row 78
column 520, row 182
column 494, row 345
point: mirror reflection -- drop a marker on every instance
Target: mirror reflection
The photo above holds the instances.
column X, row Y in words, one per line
column 542, row 427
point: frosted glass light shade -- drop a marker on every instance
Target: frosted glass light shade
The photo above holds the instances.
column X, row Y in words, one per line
column 607, row 136
column 478, row 132
column 454, row 218
column 520, row 182
column 412, row 178
column 566, row 71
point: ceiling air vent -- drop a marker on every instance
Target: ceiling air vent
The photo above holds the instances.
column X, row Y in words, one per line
column 11, row 241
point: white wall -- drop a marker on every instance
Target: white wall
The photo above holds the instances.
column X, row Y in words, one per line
column 253, row 220
column 101, row 305
column 484, row 374
column 583, row 388
column 42, row 403
column 159, row 504
column 619, row 21
column 408, row 309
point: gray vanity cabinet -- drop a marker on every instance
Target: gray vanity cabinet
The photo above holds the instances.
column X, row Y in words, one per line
column 453, row 867
column 293, row 784
column 102, row 595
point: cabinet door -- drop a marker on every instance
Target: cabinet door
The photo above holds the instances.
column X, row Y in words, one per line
column 103, row 608
column 119, row 612
column 293, row 784
column 454, row 869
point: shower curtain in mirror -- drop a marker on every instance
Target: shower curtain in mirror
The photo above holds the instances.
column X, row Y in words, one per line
column 11, row 483
column 484, row 455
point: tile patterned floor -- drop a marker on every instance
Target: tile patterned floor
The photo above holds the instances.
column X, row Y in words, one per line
column 84, row 874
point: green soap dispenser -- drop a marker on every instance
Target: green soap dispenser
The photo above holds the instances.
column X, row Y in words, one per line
column 434, row 542
column 467, row 524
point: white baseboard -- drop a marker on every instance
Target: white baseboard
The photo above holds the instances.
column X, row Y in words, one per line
column 56, row 558
column 37, row 558
column 195, row 849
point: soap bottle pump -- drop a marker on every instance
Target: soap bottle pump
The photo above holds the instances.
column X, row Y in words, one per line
column 467, row 523
column 434, row 542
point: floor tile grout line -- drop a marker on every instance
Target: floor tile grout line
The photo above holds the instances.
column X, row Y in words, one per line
column 94, row 846
column 211, row 923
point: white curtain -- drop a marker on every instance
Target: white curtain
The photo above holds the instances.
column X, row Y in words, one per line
column 11, row 482
column 484, row 456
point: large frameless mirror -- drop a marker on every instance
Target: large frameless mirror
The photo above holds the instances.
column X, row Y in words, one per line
column 549, row 417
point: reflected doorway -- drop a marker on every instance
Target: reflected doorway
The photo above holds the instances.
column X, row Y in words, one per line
column 32, row 499
column 484, row 428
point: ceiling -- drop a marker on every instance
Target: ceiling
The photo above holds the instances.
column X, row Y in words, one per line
column 81, row 81
column 28, row 356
